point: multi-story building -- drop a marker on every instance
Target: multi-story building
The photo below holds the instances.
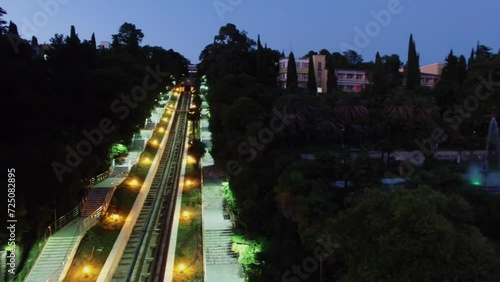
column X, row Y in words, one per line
column 352, row 80
column 429, row 74
column 303, row 71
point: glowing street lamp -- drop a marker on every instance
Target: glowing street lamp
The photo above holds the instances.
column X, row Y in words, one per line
column 154, row 142
column 161, row 129
column 188, row 182
column 165, row 119
column 115, row 217
column 185, row 214
column 182, row 267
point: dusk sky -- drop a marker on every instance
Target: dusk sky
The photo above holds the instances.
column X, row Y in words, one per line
column 187, row 26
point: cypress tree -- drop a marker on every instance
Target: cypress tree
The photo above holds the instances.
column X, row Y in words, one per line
column 312, row 85
column 451, row 68
column 34, row 42
column 292, row 81
column 461, row 69
column 73, row 37
column 13, row 29
column 378, row 76
column 92, row 41
column 331, row 80
column 470, row 62
column 261, row 68
column 413, row 68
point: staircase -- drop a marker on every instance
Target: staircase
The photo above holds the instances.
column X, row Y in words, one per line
column 95, row 199
column 218, row 247
column 50, row 263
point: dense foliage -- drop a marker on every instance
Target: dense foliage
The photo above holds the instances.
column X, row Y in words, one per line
column 297, row 186
column 66, row 104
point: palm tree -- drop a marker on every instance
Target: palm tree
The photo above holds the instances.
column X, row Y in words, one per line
column 326, row 123
column 351, row 108
column 425, row 109
column 398, row 110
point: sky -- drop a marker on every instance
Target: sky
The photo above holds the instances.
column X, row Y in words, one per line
column 187, row 26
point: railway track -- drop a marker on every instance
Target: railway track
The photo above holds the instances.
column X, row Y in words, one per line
column 145, row 254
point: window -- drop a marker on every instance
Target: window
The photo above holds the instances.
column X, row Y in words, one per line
column 359, row 76
column 350, row 76
column 320, row 65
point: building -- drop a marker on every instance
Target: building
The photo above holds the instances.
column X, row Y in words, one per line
column 429, row 74
column 303, row 71
column 352, row 80
column 192, row 69
column 104, row 45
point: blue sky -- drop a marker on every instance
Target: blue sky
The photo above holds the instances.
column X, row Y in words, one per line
column 187, row 26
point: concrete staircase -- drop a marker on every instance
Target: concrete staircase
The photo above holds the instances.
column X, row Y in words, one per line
column 49, row 265
column 95, row 199
column 218, row 247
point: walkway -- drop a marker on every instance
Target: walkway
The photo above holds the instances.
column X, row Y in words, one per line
column 220, row 262
column 57, row 254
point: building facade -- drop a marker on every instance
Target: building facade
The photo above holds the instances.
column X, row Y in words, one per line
column 302, row 64
column 349, row 80
column 352, row 80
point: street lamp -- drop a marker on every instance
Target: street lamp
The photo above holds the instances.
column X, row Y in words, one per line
column 182, row 267
column 185, row 214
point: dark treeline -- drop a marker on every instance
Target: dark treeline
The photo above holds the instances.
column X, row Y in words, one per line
column 61, row 94
column 433, row 229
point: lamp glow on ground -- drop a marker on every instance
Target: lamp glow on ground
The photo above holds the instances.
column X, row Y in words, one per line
column 134, row 183
column 165, row 119
column 146, row 160
column 190, row 160
column 154, row 142
column 86, row 270
column 161, row 129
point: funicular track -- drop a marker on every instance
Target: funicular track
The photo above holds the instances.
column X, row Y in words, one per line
column 145, row 254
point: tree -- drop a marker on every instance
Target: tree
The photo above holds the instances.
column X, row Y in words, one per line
column 412, row 235
column 413, row 67
column 292, row 82
column 92, row 41
column 129, row 37
column 353, row 58
column 470, row 62
column 331, row 80
column 197, row 150
column 13, row 29
column 311, row 77
column 461, row 69
column 450, row 70
column 3, row 23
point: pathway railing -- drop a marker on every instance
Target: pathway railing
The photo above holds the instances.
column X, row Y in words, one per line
column 64, row 220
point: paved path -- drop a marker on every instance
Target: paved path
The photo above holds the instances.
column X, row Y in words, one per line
column 58, row 252
column 221, row 264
